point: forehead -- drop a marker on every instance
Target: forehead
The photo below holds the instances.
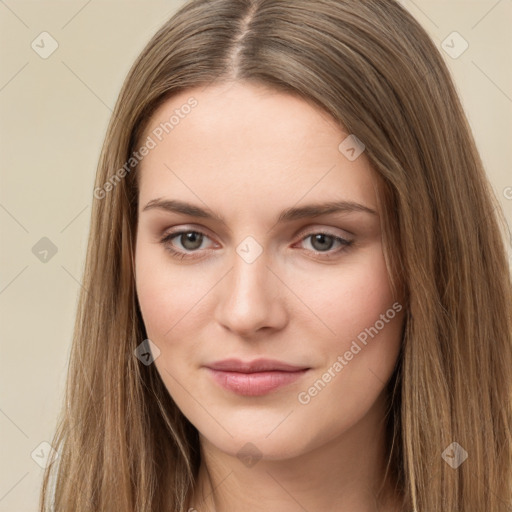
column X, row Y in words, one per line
column 248, row 142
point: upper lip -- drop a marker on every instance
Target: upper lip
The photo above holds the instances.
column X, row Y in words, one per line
column 254, row 366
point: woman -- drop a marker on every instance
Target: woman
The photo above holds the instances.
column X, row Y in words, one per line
column 296, row 293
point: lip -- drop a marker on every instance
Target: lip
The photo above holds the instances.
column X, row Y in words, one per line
column 254, row 378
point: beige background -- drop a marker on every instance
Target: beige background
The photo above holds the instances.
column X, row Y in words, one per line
column 54, row 114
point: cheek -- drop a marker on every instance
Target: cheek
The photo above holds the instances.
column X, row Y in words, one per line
column 363, row 323
column 359, row 356
column 163, row 290
column 349, row 297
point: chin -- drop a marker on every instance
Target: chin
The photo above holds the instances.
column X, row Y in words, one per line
column 247, row 447
column 263, row 440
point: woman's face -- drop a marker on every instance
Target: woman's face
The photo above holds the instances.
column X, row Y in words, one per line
column 259, row 238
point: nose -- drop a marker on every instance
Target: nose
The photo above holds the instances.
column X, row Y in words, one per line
column 251, row 299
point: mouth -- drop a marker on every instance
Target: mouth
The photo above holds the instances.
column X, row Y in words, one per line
column 254, row 378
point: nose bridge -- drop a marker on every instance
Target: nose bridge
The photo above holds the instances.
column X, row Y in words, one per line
column 248, row 300
column 250, row 277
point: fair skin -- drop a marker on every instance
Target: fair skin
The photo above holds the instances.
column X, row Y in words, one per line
column 247, row 153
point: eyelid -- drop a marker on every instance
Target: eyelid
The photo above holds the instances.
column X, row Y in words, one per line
column 331, row 231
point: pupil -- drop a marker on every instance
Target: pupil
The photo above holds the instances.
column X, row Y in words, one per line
column 322, row 239
column 192, row 240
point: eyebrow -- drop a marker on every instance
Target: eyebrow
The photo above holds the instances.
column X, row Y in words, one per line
column 290, row 214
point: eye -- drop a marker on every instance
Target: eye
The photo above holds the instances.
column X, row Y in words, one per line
column 189, row 241
column 324, row 242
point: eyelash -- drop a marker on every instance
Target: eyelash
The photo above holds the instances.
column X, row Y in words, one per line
column 190, row 255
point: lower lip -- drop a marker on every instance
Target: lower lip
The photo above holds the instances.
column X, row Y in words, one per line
column 254, row 384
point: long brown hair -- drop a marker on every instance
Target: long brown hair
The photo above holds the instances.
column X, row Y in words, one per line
column 123, row 443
